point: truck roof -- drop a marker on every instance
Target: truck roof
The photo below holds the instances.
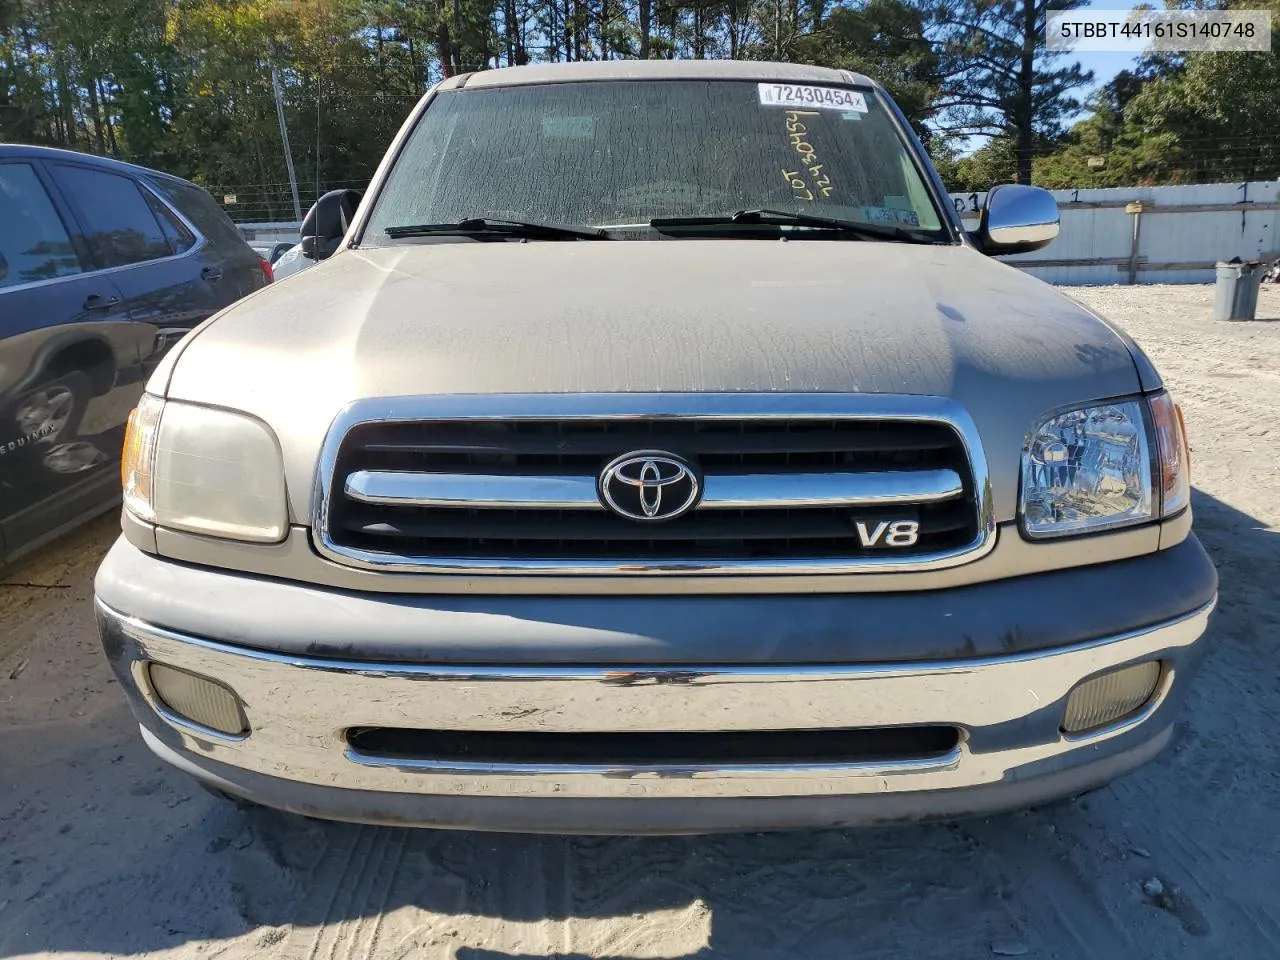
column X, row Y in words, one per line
column 654, row 70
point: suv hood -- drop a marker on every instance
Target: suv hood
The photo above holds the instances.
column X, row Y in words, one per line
column 668, row 315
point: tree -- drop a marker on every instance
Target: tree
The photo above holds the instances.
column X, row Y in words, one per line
column 994, row 162
column 883, row 39
column 999, row 79
column 1218, row 113
column 1126, row 154
column 1190, row 118
column 184, row 85
column 646, row 27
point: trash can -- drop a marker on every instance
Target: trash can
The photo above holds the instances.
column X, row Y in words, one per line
column 1236, row 295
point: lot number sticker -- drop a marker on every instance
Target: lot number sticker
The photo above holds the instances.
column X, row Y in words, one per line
column 795, row 95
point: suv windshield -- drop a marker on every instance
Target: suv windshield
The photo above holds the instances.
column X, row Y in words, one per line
column 618, row 154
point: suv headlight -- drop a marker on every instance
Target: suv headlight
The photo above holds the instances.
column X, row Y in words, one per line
column 204, row 470
column 1104, row 466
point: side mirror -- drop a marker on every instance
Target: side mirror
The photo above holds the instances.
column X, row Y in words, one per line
column 1016, row 219
column 326, row 223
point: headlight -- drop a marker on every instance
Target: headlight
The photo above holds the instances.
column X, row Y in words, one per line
column 1105, row 466
column 205, row 471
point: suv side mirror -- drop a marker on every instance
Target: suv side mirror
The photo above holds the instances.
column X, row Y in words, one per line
column 1016, row 219
column 326, row 223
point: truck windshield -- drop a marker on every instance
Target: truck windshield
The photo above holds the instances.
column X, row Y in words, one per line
column 619, row 154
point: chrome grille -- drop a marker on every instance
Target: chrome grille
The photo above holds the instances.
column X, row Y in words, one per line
column 514, row 490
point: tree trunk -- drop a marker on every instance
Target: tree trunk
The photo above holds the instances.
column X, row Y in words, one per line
column 443, row 41
column 106, row 111
column 457, row 37
column 646, row 23
column 99, row 137
column 568, row 30
column 413, row 64
column 777, row 29
column 262, row 174
column 553, row 32
column 61, row 82
column 577, row 29
column 670, row 15
column 509, row 10
column 1026, row 88
column 42, row 117
column 66, row 107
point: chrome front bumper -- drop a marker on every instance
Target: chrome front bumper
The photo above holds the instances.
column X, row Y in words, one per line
column 1008, row 710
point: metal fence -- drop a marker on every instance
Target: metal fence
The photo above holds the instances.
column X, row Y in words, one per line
column 1151, row 234
column 277, row 231
column 1114, row 235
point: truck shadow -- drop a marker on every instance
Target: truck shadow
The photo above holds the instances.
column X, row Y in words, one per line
column 148, row 862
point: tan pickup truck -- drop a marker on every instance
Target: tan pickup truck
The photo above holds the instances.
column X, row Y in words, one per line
column 653, row 451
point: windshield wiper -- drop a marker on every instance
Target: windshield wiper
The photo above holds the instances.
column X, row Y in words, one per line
column 872, row 231
column 509, row 228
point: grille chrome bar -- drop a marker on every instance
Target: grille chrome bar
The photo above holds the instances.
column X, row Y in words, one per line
column 749, row 491
column 732, row 492
column 404, row 489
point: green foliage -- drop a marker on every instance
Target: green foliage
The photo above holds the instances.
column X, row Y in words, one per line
column 994, row 162
column 884, row 39
column 1200, row 117
column 186, row 85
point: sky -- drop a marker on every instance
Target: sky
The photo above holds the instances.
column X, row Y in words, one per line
column 1106, row 65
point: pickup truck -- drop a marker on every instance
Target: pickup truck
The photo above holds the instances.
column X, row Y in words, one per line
column 653, row 451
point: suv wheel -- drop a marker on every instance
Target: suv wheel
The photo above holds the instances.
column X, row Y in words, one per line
column 51, row 413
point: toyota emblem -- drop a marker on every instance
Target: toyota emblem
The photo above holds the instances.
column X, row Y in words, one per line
column 649, row 485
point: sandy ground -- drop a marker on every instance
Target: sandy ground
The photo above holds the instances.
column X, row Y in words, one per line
column 104, row 852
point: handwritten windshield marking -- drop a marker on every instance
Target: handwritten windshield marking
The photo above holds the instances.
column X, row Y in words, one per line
column 797, row 133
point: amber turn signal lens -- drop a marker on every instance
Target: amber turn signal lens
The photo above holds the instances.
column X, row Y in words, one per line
column 129, row 441
column 138, row 459
column 1186, row 438
column 1171, row 448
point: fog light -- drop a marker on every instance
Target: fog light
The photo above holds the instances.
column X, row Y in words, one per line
column 1105, row 699
column 199, row 700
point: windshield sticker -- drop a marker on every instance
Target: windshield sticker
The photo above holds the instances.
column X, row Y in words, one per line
column 825, row 98
column 801, row 140
column 892, row 216
column 850, row 115
column 568, row 128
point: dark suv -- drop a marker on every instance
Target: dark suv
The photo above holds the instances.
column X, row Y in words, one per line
column 103, row 266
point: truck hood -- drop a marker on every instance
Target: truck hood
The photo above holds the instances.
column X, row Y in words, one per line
column 670, row 315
